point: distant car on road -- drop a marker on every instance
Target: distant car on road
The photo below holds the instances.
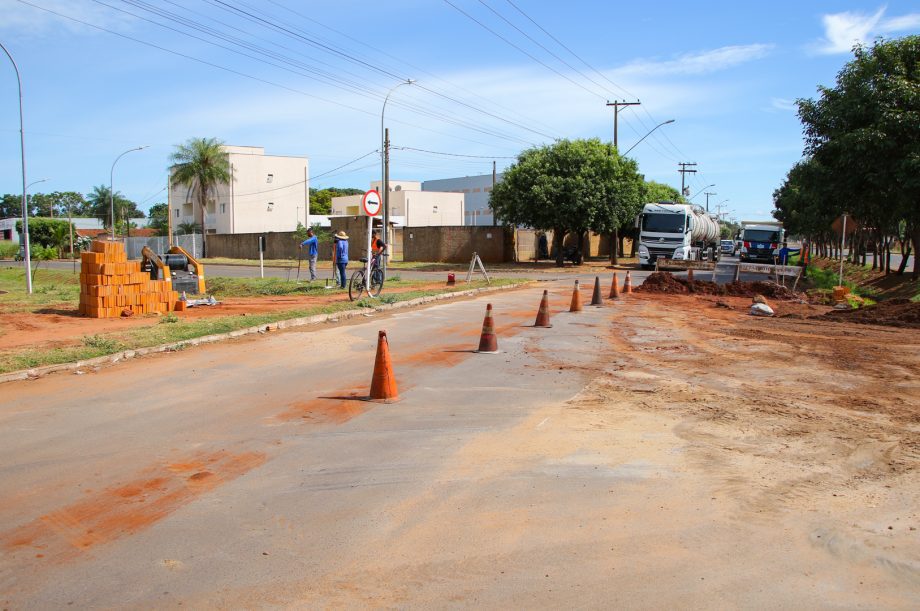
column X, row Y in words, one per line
column 727, row 246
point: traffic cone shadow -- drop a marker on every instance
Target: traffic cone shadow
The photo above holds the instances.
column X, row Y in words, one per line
column 596, row 299
column 575, row 306
column 543, row 312
column 383, row 383
column 488, row 342
column 614, row 288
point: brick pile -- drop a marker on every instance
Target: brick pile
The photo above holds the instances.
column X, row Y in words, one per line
column 112, row 286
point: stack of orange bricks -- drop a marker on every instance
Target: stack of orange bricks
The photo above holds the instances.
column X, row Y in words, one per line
column 112, row 286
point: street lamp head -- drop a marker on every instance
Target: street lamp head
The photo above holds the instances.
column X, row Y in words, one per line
column 668, row 121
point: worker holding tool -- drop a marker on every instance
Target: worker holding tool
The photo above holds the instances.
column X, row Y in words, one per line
column 378, row 246
column 312, row 244
column 341, row 255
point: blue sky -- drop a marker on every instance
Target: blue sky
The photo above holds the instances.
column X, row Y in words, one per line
column 726, row 72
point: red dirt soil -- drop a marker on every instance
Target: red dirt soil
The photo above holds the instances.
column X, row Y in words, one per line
column 891, row 313
column 664, row 282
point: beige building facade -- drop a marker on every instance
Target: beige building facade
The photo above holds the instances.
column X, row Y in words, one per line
column 414, row 207
column 266, row 193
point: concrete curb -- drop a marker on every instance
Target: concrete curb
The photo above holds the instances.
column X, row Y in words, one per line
column 111, row 359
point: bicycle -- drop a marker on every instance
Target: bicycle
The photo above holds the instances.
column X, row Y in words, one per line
column 357, row 285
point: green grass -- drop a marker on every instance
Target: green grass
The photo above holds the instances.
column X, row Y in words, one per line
column 172, row 329
column 827, row 279
column 50, row 287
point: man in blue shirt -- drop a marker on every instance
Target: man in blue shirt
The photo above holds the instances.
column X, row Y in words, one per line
column 312, row 251
column 341, row 254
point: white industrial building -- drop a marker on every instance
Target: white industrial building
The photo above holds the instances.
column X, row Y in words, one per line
column 266, row 193
column 476, row 191
column 409, row 205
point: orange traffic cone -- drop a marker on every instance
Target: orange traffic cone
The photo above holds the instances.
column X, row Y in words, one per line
column 596, row 299
column 614, row 288
column 576, row 299
column 543, row 313
column 383, row 384
column 488, row 343
column 627, row 284
column 689, row 275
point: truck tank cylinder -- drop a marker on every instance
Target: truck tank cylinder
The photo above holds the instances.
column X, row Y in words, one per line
column 705, row 228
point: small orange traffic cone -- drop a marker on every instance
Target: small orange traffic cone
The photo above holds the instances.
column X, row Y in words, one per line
column 543, row 312
column 383, row 384
column 576, row 299
column 488, row 343
column 689, row 275
column 614, row 288
column 627, row 284
column 596, row 299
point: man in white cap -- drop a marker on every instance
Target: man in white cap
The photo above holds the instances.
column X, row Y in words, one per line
column 341, row 255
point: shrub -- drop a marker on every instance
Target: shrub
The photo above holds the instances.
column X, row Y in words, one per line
column 8, row 249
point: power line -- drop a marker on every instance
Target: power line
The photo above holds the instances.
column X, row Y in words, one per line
column 409, row 148
column 534, row 58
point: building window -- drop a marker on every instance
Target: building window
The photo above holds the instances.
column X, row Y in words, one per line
column 271, row 206
column 223, row 208
column 177, row 213
column 270, row 178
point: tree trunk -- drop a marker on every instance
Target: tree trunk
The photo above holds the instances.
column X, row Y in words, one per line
column 905, row 254
column 202, row 202
column 915, row 238
column 888, row 255
column 558, row 238
column 614, row 247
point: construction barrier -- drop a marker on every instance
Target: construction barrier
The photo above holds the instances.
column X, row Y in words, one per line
column 111, row 286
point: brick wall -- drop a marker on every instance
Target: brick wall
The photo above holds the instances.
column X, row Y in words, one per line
column 278, row 245
column 454, row 244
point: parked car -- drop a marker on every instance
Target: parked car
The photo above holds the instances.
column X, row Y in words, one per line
column 728, row 247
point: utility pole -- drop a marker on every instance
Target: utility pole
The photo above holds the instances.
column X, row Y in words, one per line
column 494, row 180
column 685, row 168
column 707, row 194
column 616, row 113
column 385, row 187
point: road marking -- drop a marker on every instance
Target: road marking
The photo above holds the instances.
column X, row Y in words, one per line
column 544, row 422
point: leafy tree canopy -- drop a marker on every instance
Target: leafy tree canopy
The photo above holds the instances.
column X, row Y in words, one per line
column 862, row 140
column 321, row 199
column 569, row 186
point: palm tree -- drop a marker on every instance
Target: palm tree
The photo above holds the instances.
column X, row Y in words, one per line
column 99, row 203
column 201, row 165
column 187, row 228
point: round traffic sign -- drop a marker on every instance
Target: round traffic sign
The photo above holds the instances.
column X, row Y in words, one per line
column 371, row 203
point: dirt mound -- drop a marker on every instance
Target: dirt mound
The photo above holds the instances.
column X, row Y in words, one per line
column 891, row 313
column 665, row 282
column 662, row 282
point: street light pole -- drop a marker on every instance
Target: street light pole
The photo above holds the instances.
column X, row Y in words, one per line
column 112, row 184
column 22, row 149
column 701, row 190
column 647, row 135
column 29, row 186
column 384, row 161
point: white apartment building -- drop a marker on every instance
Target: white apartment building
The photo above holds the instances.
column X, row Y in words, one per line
column 476, row 189
column 266, row 193
column 409, row 205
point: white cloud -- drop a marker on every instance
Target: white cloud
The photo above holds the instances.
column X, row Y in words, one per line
column 25, row 19
column 843, row 30
column 702, row 62
column 783, row 104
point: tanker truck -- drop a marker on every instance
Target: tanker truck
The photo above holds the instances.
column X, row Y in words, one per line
column 670, row 230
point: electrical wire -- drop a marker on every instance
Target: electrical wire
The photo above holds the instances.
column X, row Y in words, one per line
column 409, row 148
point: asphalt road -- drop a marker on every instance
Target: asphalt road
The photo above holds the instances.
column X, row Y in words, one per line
column 249, row 474
column 724, row 272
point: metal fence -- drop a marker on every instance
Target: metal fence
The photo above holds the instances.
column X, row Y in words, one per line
column 160, row 244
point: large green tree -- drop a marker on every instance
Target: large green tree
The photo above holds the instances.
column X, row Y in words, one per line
column 159, row 218
column 201, row 165
column 571, row 186
column 864, row 135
